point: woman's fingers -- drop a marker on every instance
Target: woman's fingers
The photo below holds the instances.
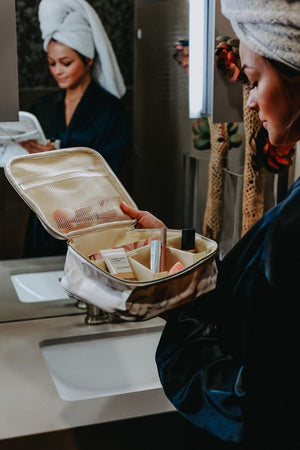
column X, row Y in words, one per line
column 33, row 146
column 144, row 218
column 132, row 212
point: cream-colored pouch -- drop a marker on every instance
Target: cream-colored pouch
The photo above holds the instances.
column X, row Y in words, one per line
column 77, row 197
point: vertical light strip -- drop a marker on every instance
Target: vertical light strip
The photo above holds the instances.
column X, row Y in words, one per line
column 197, row 57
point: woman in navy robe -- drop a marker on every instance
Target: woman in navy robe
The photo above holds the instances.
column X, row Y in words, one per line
column 99, row 121
column 87, row 111
column 254, row 309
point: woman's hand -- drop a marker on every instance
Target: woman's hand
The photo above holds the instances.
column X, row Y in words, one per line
column 144, row 218
column 33, row 146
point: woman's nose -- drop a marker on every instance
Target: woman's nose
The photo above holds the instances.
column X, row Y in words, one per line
column 57, row 69
column 252, row 100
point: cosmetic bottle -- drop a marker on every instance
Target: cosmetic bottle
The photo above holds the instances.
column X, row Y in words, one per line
column 117, row 263
column 188, row 239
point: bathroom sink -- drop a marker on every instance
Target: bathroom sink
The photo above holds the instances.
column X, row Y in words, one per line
column 39, row 286
column 105, row 364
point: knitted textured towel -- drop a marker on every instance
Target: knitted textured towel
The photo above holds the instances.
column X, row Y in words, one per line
column 270, row 28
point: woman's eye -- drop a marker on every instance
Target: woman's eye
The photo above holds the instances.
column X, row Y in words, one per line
column 253, row 85
column 242, row 78
column 67, row 64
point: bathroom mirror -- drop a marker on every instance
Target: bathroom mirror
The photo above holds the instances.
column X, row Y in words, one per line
column 157, row 102
column 35, row 80
column 23, row 294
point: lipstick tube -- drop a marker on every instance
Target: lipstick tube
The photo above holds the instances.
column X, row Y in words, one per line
column 163, row 239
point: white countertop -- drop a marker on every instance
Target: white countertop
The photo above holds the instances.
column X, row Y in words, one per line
column 11, row 309
column 30, row 403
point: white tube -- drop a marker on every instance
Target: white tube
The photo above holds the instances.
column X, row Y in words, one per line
column 155, row 256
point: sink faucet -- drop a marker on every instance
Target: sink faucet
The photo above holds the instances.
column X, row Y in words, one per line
column 95, row 315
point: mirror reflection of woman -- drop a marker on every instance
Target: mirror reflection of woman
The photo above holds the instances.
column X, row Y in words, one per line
column 71, row 72
column 87, row 110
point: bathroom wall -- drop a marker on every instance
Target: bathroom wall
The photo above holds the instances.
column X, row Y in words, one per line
column 8, row 75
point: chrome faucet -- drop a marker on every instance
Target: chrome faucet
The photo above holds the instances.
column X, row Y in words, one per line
column 95, row 315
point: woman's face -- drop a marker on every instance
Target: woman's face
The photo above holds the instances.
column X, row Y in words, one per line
column 276, row 102
column 66, row 66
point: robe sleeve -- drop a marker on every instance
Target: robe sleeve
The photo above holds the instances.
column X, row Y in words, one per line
column 114, row 144
column 197, row 374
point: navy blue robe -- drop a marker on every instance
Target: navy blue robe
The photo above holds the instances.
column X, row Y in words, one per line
column 100, row 122
column 255, row 304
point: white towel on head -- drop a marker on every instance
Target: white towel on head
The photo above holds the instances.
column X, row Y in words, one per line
column 76, row 24
column 271, row 28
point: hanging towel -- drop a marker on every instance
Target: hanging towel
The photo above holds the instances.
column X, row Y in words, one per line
column 76, row 24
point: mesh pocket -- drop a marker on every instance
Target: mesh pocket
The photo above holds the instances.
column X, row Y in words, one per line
column 76, row 202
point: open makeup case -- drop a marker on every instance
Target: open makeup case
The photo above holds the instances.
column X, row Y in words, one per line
column 76, row 196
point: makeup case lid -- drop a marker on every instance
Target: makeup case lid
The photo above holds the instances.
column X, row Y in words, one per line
column 71, row 190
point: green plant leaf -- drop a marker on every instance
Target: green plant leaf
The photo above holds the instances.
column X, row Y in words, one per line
column 201, row 144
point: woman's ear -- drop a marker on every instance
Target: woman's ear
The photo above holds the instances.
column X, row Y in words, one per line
column 89, row 62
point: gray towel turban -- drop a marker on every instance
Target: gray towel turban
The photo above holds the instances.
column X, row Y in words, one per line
column 271, row 28
column 76, row 24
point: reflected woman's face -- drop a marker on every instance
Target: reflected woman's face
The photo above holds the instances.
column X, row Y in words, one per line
column 66, row 66
column 276, row 102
